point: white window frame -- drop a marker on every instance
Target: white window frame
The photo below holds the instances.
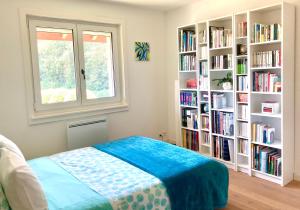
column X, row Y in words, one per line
column 43, row 113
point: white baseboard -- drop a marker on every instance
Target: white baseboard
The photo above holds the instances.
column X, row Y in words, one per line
column 296, row 176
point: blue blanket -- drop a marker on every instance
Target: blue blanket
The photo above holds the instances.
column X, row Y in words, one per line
column 193, row 182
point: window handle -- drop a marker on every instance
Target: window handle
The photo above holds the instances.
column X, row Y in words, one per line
column 83, row 73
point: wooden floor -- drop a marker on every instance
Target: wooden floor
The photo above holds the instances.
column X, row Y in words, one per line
column 247, row 192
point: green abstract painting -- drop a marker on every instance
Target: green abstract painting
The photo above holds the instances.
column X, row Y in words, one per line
column 142, row 51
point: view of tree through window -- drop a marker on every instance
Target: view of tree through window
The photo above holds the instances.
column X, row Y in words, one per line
column 56, row 65
column 98, row 64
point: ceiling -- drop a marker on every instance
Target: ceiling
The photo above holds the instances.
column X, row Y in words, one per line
column 153, row 4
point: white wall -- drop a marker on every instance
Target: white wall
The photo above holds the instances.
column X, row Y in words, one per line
column 205, row 9
column 147, row 114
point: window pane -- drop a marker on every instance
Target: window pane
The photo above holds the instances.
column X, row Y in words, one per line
column 98, row 64
column 56, row 65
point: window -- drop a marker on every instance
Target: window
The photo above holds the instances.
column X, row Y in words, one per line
column 74, row 64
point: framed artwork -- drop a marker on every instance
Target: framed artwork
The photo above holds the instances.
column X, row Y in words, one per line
column 142, row 51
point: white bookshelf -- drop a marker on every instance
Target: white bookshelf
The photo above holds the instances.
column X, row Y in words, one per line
column 283, row 122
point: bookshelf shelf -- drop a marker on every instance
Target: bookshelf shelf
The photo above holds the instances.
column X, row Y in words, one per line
column 190, row 129
column 188, row 71
column 266, row 68
column 187, row 106
column 203, row 43
column 244, row 57
column 266, row 174
column 221, row 48
column 266, row 115
column 266, row 43
column 242, row 120
column 276, row 145
column 244, row 155
column 205, row 145
column 222, row 91
column 187, row 52
column 188, row 89
column 266, row 93
column 216, row 70
column 227, row 109
column 224, row 136
column 241, row 56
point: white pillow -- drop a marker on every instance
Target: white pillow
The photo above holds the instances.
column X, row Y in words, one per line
column 22, row 189
column 5, row 142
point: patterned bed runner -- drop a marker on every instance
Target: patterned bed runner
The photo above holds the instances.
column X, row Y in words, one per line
column 124, row 185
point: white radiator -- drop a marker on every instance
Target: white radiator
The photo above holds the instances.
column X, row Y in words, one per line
column 86, row 133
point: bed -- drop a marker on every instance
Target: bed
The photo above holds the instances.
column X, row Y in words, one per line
column 131, row 173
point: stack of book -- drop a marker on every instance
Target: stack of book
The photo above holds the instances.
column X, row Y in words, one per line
column 242, row 29
column 202, row 36
column 223, row 148
column 187, row 41
column 190, row 139
column 264, row 32
column 205, row 138
column 242, row 83
column 242, row 66
column 187, row 62
column 267, row 59
column 189, row 118
column 243, row 146
column 243, row 129
column 267, row 160
column 221, row 61
column 266, row 82
column 263, row 133
column 188, row 98
column 203, row 52
column 203, row 82
column 222, row 123
column 203, row 70
column 205, row 122
column 243, row 111
column 220, row 37
column 219, row 100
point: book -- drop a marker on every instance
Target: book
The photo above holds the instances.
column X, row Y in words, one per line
column 187, row 40
column 189, row 118
column 242, row 83
column 220, row 37
column 221, row 61
column 222, row 123
column 223, row 148
column 266, row 32
column 242, row 66
column 188, row 98
column 190, row 139
column 270, row 58
column 243, row 146
column 187, row 62
column 266, row 159
column 263, row 133
column 265, row 81
column 242, row 29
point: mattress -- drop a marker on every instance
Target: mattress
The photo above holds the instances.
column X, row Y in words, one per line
column 132, row 173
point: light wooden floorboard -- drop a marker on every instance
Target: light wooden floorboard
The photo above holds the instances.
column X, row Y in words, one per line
column 250, row 193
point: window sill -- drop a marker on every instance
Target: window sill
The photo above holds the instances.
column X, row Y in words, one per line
column 67, row 114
